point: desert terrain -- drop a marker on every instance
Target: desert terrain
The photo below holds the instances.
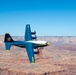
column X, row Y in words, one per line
column 59, row 58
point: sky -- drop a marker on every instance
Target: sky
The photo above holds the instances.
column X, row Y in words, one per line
column 47, row 17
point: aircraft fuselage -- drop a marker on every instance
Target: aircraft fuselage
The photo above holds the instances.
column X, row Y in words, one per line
column 36, row 44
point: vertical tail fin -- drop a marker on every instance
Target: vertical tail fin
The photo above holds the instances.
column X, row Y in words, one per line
column 8, row 38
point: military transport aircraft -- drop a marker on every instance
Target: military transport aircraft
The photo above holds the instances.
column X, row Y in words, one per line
column 29, row 43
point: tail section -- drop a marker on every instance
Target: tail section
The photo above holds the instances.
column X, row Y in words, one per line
column 8, row 46
column 8, row 38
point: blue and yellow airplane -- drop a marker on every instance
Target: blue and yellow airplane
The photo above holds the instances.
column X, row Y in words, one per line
column 29, row 43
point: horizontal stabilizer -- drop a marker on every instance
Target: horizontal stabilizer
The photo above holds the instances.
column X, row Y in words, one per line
column 7, row 45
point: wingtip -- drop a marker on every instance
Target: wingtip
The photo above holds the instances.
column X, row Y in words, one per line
column 32, row 63
column 7, row 50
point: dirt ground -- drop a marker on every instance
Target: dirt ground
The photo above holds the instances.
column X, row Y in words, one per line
column 52, row 60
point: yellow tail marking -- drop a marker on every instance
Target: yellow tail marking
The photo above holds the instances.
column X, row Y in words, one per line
column 7, row 33
column 9, row 39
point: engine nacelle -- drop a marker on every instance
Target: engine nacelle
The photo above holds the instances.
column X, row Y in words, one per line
column 33, row 32
column 34, row 37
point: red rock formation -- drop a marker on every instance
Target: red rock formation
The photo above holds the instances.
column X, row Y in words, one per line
column 53, row 60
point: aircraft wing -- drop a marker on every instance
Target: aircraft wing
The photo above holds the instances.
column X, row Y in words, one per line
column 28, row 35
column 30, row 52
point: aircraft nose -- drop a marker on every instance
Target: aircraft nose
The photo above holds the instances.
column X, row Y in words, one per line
column 47, row 43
